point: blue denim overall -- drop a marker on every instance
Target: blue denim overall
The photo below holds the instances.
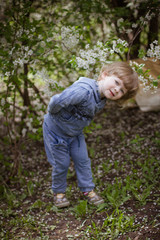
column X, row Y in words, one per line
column 68, row 113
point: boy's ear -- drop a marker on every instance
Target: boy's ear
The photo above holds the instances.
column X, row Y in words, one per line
column 104, row 74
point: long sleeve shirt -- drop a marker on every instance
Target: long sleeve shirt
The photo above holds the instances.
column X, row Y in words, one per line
column 73, row 109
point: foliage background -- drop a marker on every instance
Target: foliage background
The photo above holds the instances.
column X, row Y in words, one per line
column 45, row 46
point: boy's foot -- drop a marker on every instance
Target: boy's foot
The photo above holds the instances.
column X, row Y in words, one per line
column 60, row 200
column 93, row 198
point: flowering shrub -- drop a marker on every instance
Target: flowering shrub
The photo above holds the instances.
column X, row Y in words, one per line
column 46, row 46
column 36, row 46
column 154, row 51
column 147, row 81
column 92, row 59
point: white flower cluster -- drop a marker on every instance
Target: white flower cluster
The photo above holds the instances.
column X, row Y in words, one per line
column 144, row 20
column 99, row 54
column 70, row 37
column 2, row 102
column 89, row 57
column 146, row 81
column 119, row 22
column 154, row 51
column 22, row 55
column 119, row 46
column 19, row 32
column 29, row 122
column 122, row 26
column 49, row 82
column 134, row 4
column 7, row 74
column 19, row 61
column 29, row 33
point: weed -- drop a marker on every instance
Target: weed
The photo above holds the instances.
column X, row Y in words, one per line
column 141, row 197
column 116, row 194
column 52, row 208
column 9, row 196
column 92, row 127
column 30, row 188
column 92, row 151
column 157, row 139
column 136, row 143
column 122, row 135
column 37, row 204
column 81, row 209
column 106, row 166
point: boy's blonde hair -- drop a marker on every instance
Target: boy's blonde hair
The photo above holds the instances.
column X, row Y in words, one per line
column 123, row 71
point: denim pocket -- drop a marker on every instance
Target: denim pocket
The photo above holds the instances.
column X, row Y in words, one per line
column 66, row 115
column 56, row 140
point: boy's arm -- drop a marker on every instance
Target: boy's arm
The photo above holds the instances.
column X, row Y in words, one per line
column 70, row 96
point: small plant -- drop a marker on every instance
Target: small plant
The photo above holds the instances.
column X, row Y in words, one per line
column 81, row 209
column 116, row 194
column 9, row 196
column 157, row 139
column 142, row 197
column 107, row 166
column 30, row 188
column 37, row 204
column 136, row 143
column 122, row 135
column 92, row 151
column 92, row 127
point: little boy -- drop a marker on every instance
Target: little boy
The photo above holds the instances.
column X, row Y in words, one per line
column 68, row 113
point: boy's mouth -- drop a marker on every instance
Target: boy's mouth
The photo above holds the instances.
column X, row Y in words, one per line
column 111, row 93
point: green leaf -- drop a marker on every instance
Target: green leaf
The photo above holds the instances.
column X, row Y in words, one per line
column 155, row 83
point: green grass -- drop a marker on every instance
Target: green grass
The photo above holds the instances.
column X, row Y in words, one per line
column 114, row 225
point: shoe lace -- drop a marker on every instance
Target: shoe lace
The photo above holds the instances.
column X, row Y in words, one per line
column 91, row 194
column 60, row 195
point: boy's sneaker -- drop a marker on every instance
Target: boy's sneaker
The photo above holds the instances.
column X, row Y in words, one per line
column 93, row 198
column 60, row 200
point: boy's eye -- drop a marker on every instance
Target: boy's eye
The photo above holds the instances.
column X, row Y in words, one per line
column 116, row 82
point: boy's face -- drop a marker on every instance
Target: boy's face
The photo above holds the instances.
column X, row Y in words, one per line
column 112, row 87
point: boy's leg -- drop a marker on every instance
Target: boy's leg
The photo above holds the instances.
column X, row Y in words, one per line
column 83, row 170
column 82, row 164
column 58, row 156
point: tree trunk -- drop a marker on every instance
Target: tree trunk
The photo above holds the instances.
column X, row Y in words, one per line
column 26, row 100
column 153, row 30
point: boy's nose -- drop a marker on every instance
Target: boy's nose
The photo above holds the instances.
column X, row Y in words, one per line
column 117, row 89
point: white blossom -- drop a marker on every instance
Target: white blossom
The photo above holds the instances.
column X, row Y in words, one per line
column 128, row 31
column 2, row 102
column 155, row 42
column 30, row 52
column 49, row 82
column 145, row 58
column 70, row 37
column 154, row 51
column 7, row 74
column 26, row 48
column 24, row 132
column 119, row 21
column 146, row 81
column 134, row 25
